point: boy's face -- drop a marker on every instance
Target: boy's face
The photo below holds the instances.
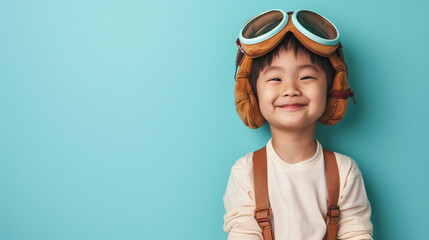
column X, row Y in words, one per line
column 292, row 80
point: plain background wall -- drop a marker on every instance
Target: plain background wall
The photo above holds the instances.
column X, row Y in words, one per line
column 118, row 117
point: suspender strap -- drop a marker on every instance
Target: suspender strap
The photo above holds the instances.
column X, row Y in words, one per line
column 263, row 210
column 333, row 184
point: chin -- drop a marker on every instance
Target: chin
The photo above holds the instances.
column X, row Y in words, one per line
column 290, row 124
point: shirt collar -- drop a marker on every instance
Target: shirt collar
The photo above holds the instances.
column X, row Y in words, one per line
column 273, row 156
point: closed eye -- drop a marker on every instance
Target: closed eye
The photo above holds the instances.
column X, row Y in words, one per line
column 278, row 79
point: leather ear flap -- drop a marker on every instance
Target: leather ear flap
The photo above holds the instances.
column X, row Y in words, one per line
column 336, row 107
column 335, row 110
column 245, row 100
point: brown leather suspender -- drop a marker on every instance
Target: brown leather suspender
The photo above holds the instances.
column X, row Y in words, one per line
column 263, row 209
column 333, row 184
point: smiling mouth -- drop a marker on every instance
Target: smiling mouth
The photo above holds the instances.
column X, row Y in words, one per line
column 292, row 106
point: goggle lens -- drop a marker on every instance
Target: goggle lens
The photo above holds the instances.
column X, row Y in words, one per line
column 317, row 25
column 262, row 24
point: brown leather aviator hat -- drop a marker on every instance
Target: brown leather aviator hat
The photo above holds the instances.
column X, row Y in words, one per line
column 262, row 33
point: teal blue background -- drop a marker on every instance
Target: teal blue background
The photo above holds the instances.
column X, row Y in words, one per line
column 118, row 117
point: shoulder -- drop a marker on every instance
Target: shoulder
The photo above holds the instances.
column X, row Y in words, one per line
column 239, row 190
column 348, row 170
column 347, row 166
column 244, row 163
column 243, row 168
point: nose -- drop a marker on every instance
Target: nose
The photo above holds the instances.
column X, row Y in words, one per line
column 290, row 89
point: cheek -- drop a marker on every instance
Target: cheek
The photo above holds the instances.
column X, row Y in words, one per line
column 322, row 87
column 323, row 101
column 265, row 100
column 320, row 98
column 266, row 95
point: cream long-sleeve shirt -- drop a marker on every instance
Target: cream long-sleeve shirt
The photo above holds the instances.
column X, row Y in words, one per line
column 298, row 198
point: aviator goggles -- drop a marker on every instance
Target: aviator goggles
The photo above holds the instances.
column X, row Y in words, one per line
column 262, row 33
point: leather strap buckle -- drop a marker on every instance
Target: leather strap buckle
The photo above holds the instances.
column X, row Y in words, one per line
column 239, row 45
column 263, row 214
column 334, row 211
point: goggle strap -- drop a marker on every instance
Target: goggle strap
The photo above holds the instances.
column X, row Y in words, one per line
column 238, row 58
column 343, row 94
column 239, row 45
column 340, row 51
column 240, row 55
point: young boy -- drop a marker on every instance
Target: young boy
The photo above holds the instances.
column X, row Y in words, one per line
column 291, row 86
